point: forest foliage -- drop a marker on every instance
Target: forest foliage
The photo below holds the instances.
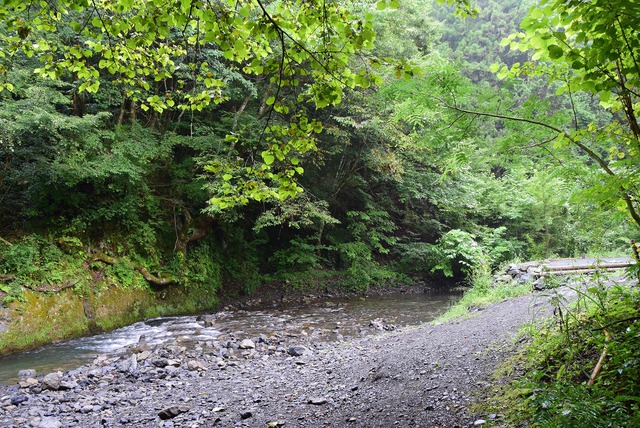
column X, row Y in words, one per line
column 222, row 145
column 243, row 142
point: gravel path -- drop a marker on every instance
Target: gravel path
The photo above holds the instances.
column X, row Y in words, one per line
column 416, row 377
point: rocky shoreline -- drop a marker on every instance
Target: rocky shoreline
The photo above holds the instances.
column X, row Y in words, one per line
column 422, row 376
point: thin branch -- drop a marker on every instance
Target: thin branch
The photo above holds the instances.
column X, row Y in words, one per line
column 616, row 322
column 628, row 199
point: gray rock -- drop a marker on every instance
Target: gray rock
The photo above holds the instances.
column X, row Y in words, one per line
column 538, row 284
column 25, row 374
column 376, row 324
column 247, row 344
column 128, row 365
column 317, row 401
column 172, row 412
column 52, row 381
column 479, row 422
column 207, row 320
column 246, row 414
column 297, row 350
column 49, row 422
column 527, row 277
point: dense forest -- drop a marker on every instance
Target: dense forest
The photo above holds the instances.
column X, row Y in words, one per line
column 214, row 164
column 209, row 148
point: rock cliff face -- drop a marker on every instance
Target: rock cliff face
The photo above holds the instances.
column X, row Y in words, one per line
column 41, row 318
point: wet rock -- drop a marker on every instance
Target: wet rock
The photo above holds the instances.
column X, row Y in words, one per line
column 376, row 324
column 25, row 374
column 247, row 344
column 297, row 350
column 52, row 381
column 206, row 320
column 172, row 412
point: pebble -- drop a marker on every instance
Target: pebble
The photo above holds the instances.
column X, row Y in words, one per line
column 247, row 344
column 297, row 350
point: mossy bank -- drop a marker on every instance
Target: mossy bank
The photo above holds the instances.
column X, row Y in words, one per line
column 40, row 318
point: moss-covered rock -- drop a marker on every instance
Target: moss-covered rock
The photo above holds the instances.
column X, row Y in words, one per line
column 40, row 318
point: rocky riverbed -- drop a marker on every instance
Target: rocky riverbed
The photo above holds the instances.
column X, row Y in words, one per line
column 421, row 376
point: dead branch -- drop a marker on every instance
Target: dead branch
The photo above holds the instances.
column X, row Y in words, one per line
column 598, row 367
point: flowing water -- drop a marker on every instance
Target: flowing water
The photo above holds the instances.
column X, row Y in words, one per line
column 327, row 320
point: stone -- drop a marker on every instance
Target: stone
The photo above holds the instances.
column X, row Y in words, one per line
column 52, row 381
column 479, row 422
column 376, row 324
column 49, row 422
column 161, row 362
column 68, row 385
column 527, row 277
column 246, row 414
column 25, row 374
column 18, row 399
column 247, row 344
column 207, row 320
column 172, row 412
column 297, row 350
column 317, row 401
column 195, row 365
column 144, row 355
column 128, row 365
column 538, row 284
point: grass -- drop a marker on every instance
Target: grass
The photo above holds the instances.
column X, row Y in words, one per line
column 483, row 293
column 553, row 381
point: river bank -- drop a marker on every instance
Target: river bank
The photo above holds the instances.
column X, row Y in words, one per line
column 424, row 376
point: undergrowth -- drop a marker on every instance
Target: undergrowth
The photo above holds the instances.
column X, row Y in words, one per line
column 582, row 370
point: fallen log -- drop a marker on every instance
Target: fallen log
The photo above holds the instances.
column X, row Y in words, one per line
column 617, row 265
column 577, row 271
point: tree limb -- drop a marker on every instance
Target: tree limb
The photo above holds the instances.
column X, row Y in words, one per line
column 153, row 279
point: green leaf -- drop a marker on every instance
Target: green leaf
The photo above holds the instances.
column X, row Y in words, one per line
column 555, row 51
column 268, row 157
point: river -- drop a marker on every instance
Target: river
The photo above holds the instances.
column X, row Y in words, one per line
column 326, row 320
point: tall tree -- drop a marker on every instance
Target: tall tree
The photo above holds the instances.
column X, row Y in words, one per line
column 593, row 49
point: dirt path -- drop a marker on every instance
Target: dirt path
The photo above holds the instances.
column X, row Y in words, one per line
column 419, row 377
